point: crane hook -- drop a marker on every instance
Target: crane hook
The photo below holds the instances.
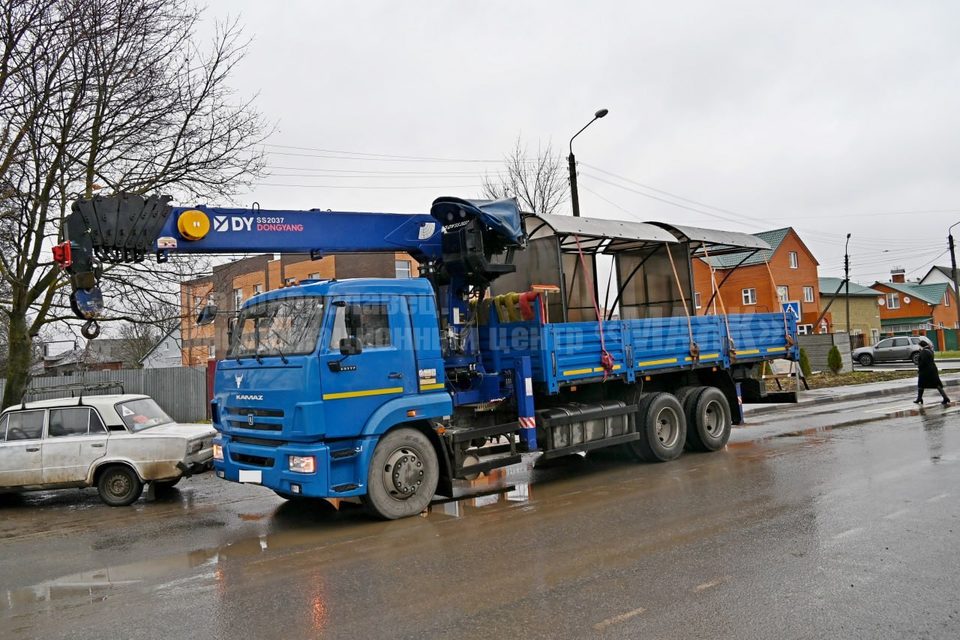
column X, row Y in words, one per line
column 90, row 329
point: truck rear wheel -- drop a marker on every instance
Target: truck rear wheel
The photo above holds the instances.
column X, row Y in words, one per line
column 708, row 419
column 403, row 475
column 662, row 426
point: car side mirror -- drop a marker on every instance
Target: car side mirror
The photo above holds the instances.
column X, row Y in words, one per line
column 350, row 346
column 207, row 315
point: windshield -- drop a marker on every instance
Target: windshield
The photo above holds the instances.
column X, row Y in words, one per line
column 142, row 414
column 283, row 327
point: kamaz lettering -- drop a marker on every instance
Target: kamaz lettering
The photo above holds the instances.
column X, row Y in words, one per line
column 241, row 396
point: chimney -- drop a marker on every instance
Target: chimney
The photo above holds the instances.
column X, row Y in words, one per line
column 898, row 274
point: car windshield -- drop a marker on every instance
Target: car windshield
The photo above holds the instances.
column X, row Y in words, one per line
column 283, row 327
column 141, row 414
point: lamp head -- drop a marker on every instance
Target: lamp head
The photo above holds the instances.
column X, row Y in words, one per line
column 601, row 113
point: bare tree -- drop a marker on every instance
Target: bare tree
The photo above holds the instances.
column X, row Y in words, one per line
column 107, row 95
column 539, row 183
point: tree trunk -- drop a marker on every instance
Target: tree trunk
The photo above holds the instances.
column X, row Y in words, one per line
column 18, row 361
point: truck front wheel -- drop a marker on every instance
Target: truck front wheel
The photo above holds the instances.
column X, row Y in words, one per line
column 403, row 475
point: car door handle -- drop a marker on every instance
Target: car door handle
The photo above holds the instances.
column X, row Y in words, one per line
column 395, row 375
column 33, row 449
column 98, row 445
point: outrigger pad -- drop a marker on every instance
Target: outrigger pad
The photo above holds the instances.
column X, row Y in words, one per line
column 120, row 228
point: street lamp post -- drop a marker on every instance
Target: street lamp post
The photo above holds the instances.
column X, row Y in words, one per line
column 846, row 278
column 574, row 196
column 953, row 271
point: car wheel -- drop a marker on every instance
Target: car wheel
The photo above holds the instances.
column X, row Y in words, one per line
column 403, row 475
column 662, row 426
column 865, row 359
column 915, row 358
column 708, row 419
column 119, row 486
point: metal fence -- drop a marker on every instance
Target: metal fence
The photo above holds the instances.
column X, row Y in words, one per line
column 181, row 391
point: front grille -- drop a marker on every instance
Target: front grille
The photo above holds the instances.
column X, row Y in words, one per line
column 256, row 461
column 256, row 426
column 261, row 442
column 258, row 413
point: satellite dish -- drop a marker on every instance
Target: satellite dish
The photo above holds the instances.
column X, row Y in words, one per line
column 881, row 301
column 906, row 299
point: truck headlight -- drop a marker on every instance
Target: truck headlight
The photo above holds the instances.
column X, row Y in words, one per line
column 303, row 464
column 218, row 452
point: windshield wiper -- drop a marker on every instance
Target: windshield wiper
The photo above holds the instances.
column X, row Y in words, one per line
column 283, row 358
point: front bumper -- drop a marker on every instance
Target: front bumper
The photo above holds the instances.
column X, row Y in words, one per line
column 270, row 468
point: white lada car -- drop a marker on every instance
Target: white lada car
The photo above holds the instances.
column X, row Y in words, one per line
column 113, row 442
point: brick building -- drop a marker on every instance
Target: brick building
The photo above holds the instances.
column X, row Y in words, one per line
column 864, row 308
column 912, row 307
column 747, row 286
column 232, row 283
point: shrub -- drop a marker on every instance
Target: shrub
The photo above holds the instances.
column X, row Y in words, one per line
column 804, row 363
column 834, row 361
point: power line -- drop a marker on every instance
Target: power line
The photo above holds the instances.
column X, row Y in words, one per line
column 361, row 187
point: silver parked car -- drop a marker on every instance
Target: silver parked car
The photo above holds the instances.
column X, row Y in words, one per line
column 891, row 350
column 113, row 442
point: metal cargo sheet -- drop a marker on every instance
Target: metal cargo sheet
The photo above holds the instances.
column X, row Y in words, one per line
column 607, row 236
column 717, row 242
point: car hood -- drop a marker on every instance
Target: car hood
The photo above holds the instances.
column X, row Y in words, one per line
column 180, row 430
column 860, row 350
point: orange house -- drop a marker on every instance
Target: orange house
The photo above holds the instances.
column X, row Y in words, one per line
column 911, row 307
column 747, row 285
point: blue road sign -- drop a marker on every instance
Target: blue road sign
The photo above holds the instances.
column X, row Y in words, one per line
column 791, row 307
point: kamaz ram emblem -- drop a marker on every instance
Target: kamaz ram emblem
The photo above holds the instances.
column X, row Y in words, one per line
column 238, row 379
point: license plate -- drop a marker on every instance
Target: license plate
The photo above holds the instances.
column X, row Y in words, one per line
column 254, row 476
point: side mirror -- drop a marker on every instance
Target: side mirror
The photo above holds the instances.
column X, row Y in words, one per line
column 350, row 346
column 207, row 314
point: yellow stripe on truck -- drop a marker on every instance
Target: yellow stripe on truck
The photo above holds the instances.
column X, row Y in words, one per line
column 431, row 387
column 361, row 394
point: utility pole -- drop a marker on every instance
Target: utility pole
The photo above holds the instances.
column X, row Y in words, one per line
column 953, row 272
column 846, row 278
column 574, row 196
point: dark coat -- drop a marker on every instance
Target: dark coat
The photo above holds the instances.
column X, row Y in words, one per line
column 929, row 378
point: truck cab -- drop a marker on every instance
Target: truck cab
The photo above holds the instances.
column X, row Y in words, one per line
column 316, row 373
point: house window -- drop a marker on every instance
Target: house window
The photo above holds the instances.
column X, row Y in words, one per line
column 696, row 299
column 783, row 293
column 257, row 288
column 794, row 263
column 893, row 301
column 212, row 352
column 237, row 298
column 314, row 276
column 808, row 294
column 946, row 298
column 402, row 268
column 749, row 296
column 805, row 329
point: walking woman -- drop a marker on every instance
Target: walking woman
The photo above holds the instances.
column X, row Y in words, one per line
column 929, row 377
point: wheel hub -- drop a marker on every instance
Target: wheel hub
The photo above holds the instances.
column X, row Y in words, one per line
column 668, row 428
column 713, row 418
column 119, row 485
column 403, row 473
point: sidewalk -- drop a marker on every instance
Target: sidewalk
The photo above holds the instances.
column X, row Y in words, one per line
column 853, row 392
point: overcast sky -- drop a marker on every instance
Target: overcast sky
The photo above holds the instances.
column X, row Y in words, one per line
column 831, row 117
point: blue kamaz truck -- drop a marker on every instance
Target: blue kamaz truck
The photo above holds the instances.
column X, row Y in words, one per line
column 392, row 390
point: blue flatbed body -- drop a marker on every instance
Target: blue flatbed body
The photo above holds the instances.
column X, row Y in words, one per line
column 562, row 354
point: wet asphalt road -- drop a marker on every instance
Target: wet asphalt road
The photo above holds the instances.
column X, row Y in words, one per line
column 796, row 530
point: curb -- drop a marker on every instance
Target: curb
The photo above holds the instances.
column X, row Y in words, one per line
column 857, row 395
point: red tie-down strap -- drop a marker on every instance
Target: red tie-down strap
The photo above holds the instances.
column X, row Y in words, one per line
column 526, row 305
column 606, row 360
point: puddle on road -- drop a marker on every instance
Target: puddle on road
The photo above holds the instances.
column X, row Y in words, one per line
column 295, row 525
